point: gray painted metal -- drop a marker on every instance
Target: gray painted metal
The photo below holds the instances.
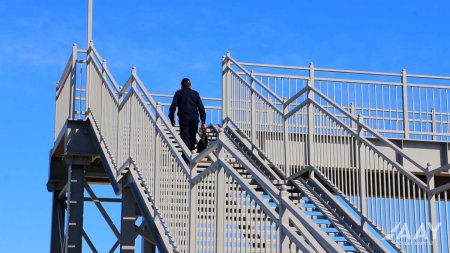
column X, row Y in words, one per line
column 329, row 146
column 89, row 21
column 58, row 224
column 311, row 129
column 75, row 209
column 128, row 233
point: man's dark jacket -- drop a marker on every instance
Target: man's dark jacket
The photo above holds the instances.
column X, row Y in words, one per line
column 189, row 106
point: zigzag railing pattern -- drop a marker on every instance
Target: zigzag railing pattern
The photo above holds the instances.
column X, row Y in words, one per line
column 214, row 210
column 298, row 124
column 310, row 131
column 397, row 105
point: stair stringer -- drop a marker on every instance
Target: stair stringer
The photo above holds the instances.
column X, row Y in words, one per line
column 346, row 224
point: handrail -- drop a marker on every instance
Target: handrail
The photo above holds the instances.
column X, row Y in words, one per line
column 166, row 122
column 297, row 95
column 368, row 129
column 444, row 168
column 64, row 76
column 258, row 93
column 228, row 121
column 369, row 144
column 254, row 79
column 440, row 189
column 344, row 71
column 108, row 73
column 171, row 96
column 356, row 81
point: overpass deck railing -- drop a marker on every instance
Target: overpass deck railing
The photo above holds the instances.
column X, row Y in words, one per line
column 304, row 119
column 397, row 105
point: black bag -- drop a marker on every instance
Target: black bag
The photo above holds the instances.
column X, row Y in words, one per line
column 203, row 143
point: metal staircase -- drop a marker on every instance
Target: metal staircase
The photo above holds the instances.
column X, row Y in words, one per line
column 295, row 174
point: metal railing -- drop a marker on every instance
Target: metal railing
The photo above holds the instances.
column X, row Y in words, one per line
column 298, row 122
column 213, row 107
column 301, row 122
column 214, row 211
column 397, row 105
column 65, row 92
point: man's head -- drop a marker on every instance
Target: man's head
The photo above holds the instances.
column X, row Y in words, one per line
column 186, row 83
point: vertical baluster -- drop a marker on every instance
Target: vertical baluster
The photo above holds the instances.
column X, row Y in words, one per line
column 415, row 219
column 447, row 225
column 405, row 104
column 440, row 223
column 431, row 208
column 410, row 203
column 384, row 196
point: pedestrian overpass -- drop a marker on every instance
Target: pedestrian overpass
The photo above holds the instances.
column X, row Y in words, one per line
column 300, row 159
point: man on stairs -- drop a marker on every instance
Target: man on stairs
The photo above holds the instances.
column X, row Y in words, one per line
column 190, row 107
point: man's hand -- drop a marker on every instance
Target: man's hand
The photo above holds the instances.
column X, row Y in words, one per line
column 203, row 127
column 173, row 123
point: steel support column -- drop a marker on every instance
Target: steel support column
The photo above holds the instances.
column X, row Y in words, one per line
column 57, row 230
column 75, row 208
column 128, row 232
column 147, row 246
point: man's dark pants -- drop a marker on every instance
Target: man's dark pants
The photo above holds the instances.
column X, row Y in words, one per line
column 188, row 132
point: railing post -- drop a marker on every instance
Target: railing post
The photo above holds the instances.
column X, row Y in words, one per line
column 284, row 220
column 433, row 124
column 130, row 101
column 405, row 104
column 286, row 138
column 102, row 89
column 73, row 81
column 253, row 111
column 310, row 115
column 220, row 202
column 362, row 174
column 157, row 154
column 226, row 87
column 88, row 73
column 193, row 211
column 432, row 210
column 89, row 21
column 353, row 112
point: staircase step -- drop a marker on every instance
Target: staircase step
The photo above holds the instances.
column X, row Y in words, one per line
column 315, row 214
column 330, row 230
column 322, row 221
column 309, row 206
column 339, row 239
column 348, row 248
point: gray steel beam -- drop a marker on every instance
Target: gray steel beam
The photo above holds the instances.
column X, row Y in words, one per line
column 128, row 232
column 89, row 242
column 75, row 209
column 57, row 229
column 102, row 210
column 147, row 246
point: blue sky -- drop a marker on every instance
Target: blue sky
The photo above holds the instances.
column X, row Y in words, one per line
column 168, row 40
